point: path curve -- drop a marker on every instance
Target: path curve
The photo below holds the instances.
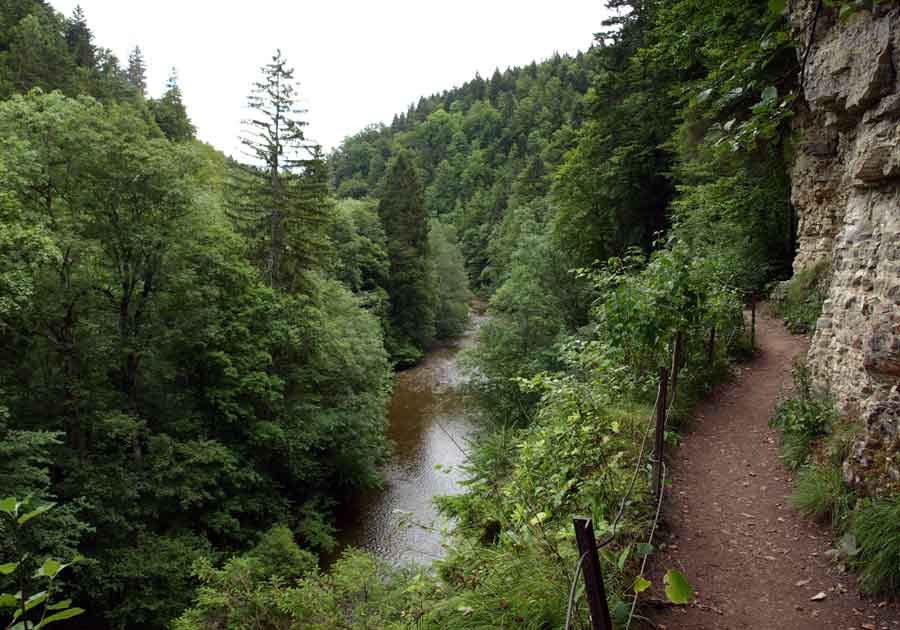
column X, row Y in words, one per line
column 729, row 528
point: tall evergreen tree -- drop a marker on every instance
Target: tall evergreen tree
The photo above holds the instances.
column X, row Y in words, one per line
column 80, row 39
column 137, row 71
column 411, row 287
column 282, row 198
column 171, row 114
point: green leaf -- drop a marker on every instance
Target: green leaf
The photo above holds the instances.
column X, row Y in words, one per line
column 9, row 567
column 620, row 612
column 8, row 505
column 60, row 605
column 769, row 94
column 678, row 589
column 8, row 601
column 641, row 584
column 643, row 549
column 36, row 512
column 65, row 614
column 623, row 557
column 776, row 7
column 49, row 569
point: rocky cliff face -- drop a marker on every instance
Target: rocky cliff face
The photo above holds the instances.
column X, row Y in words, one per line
column 846, row 189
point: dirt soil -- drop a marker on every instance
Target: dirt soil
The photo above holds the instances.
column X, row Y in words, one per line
column 728, row 526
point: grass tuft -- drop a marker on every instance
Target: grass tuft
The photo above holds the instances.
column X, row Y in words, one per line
column 877, row 529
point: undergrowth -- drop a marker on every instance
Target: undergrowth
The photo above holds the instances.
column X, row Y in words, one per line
column 799, row 304
column 803, row 418
column 876, row 525
column 817, row 441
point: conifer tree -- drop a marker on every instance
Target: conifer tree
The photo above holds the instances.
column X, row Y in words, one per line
column 171, row 114
column 137, row 71
column 80, row 39
column 282, row 197
column 410, row 287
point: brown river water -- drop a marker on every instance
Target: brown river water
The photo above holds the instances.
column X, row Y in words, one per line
column 430, row 421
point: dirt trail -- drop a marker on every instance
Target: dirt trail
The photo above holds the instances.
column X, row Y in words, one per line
column 752, row 559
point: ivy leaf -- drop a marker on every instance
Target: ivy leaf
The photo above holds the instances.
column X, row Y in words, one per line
column 641, row 584
column 678, row 589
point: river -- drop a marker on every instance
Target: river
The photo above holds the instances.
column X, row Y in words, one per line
column 429, row 421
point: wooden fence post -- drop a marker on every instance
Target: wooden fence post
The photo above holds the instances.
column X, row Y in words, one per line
column 660, row 431
column 676, row 363
column 593, row 578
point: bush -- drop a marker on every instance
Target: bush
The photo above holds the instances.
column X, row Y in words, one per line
column 800, row 301
column 806, row 416
column 877, row 529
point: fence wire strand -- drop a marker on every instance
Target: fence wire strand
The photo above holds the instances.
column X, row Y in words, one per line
column 662, row 493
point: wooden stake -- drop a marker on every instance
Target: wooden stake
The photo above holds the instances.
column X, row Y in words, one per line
column 593, row 578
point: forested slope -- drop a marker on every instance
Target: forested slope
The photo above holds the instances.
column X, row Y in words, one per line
column 192, row 350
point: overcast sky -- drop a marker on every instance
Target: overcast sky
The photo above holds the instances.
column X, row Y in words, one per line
column 357, row 62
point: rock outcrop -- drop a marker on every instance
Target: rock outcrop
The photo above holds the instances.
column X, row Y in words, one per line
column 846, row 189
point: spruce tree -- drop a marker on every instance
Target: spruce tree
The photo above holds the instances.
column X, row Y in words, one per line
column 410, row 287
column 137, row 71
column 282, row 197
column 171, row 114
column 80, row 40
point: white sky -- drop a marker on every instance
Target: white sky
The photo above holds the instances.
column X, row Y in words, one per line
column 357, row 62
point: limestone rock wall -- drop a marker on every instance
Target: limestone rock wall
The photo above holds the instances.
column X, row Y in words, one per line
column 846, row 190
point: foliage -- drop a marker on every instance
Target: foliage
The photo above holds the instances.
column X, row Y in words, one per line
column 244, row 592
column 410, row 285
column 281, row 200
column 804, row 417
column 152, row 381
column 799, row 304
column 30, row 608
column 452, row 286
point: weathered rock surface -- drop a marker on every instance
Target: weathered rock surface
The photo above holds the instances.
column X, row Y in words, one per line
column 846, row 189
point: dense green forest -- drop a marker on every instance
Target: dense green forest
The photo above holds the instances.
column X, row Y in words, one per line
column 197, row 352
column 193, row 349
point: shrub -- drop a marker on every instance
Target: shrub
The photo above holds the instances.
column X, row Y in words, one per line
column 806, row 416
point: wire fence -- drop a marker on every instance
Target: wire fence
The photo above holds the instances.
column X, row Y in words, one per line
column 594, row 584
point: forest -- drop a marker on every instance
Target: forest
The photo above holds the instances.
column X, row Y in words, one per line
column 196, row 352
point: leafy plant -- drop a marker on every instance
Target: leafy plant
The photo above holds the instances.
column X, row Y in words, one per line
column 807, row 415
column 31, row 608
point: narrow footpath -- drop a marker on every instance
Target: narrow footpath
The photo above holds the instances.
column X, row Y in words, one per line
column 754, row 562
